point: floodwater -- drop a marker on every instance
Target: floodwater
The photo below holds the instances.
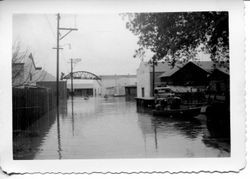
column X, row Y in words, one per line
column 115, row 128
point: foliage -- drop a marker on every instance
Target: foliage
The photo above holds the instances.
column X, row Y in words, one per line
column 180, row 35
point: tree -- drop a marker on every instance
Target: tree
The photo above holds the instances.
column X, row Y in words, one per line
column 24, row 71
column 180, row 35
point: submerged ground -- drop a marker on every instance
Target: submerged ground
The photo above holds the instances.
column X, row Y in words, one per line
column 115, row 128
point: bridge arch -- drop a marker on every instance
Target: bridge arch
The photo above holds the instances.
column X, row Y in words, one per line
column 84, row 75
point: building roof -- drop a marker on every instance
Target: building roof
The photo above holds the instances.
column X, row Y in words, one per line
column 116, row 76
column 43, row 75
column 24, row 62
column 32, row 59
column 208, row 66
column 170, row 70
column 223, row 70
column 205, row 65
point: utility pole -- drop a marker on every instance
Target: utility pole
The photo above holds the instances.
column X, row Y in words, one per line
column 71, row 61
column 57, row 60
column 153, row 80
column 58, row 38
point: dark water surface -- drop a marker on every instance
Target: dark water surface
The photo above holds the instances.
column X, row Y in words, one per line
column 115, row 128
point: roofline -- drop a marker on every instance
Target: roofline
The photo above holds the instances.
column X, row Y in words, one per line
column 222, row 71
column 185, row 65
column 196, row 65
column 19, row 63
column 32, row 59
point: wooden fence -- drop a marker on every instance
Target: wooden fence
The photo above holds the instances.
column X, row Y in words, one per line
column 30, row 104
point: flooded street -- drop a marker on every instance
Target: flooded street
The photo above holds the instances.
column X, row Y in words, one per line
column 115, row 128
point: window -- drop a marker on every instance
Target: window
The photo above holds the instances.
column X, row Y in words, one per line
column 30, row 76
column 142, row 92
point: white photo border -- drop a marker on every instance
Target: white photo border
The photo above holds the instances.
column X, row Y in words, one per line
column 237, row 88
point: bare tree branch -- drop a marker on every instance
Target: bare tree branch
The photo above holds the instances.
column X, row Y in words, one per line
column 23, row 70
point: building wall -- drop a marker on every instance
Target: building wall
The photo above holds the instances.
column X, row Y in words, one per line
column 23, row 73
column 143, row 80
column 97, row 85
column 84, row 92
column 110, row 91
column 115, row 84
column 145, row 77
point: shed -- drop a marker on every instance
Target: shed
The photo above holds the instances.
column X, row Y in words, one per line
column 194, row 73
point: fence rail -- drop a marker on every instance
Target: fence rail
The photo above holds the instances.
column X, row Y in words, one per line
column 30, row 104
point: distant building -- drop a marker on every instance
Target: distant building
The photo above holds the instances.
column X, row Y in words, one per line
column 115, row 84
column 112, row 85
column 84, row 87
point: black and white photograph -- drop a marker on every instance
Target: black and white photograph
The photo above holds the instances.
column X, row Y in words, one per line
column 128, row 85
column 138, row 88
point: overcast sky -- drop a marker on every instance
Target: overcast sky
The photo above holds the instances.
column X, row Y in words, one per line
column 102, row 42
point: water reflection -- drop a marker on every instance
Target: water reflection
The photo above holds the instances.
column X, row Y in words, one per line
column 175, row 137
column 155, row 134
column 115, row 128
column 72, row 113
column 58, row 134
